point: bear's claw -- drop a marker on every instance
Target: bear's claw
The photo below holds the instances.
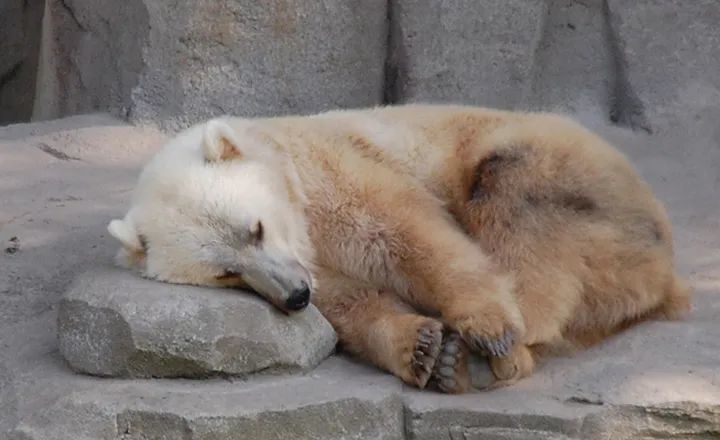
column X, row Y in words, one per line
column 450, row 373
column 427, row 348
column 496, row 347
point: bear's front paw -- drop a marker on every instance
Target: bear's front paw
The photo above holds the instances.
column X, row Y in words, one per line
column 493, row 345
column 487, row 329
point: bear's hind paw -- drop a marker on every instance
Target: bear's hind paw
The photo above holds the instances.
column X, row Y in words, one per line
column 450, row 374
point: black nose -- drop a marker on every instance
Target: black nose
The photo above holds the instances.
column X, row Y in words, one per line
column 299, row 298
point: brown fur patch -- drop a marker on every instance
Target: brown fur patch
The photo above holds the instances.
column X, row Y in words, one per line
column 373, row 152
column 487, row 172
column 578, row 202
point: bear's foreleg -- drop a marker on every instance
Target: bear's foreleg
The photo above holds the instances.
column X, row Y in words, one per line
column 450, row 275
column 393, row 235
column 377, row 326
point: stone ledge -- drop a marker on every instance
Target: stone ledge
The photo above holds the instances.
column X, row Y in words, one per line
column 339, row 400
column 113, row 323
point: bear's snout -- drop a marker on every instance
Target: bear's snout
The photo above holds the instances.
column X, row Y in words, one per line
column 299, row 298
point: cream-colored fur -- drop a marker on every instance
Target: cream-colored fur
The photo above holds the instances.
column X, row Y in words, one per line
column 521, row 232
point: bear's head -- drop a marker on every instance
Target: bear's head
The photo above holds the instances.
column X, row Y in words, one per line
column 220, row 205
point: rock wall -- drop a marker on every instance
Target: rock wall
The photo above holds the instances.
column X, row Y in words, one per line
column 646, row 64
column 463, row 50
column 19, row 45
column 179, row 61
column 667, row 61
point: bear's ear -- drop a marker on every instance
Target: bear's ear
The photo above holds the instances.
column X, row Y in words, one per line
column 124, row 231
column 220, row 142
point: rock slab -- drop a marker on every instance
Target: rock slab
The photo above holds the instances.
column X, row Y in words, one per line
column 113, row 323
column 177, row 62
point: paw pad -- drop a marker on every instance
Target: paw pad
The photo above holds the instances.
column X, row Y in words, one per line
column 450, row 373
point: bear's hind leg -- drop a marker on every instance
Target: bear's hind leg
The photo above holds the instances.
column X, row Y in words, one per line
column 377, row 327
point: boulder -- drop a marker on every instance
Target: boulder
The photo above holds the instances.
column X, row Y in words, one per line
column 668, row 55
column 475, row 52
column 176, row 62
column 113, row 323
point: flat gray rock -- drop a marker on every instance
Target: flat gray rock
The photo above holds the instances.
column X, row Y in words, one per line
column 176, row 63
column 113, row 323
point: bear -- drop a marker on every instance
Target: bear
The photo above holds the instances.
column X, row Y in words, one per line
column 422, row 232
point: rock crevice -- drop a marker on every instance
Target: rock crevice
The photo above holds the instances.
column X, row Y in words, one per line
column 625, row 109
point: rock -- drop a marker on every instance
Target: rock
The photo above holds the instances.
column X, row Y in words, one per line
column 19, row 46
column 510, row 413
column 476, row 52
column 112, row 323
column 676, row 420
column 668, row 56
column 340, row 400
column 176, row 63
column 573, row 66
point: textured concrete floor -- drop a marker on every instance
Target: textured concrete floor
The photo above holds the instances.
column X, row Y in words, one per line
column 60, row 183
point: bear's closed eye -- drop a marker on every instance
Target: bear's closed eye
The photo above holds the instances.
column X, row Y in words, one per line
column 257, row 232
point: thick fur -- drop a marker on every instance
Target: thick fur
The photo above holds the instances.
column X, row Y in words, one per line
column 524, row 233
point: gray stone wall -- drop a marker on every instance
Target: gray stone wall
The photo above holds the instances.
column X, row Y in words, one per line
column 645, row 64
column 19, row 45
column 179, row 61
